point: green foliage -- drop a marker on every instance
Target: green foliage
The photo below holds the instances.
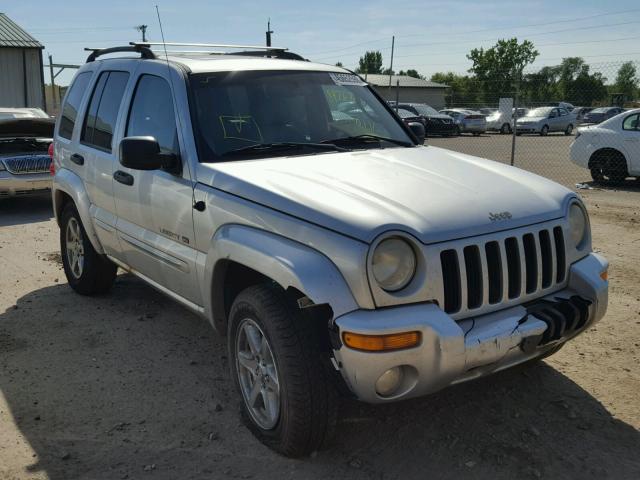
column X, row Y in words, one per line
column 571, row 81
column 371, row 62
column 463, row 88
column 410, row 73
column 627, row 80
column 500, row 66
column 339, row 64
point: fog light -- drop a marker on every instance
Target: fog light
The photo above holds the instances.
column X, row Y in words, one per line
column 389, row 381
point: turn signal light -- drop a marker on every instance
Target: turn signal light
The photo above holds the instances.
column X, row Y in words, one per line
column 381, row 343
column 605, row 275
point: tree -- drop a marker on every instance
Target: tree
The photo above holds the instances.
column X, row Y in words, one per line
column 411, row 73
column 626, row 80
column 339, row 64
column 371, row 62
column 499, row 66
column 463, row 89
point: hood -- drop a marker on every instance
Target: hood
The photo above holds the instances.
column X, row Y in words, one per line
column 27, row 127
column 432, row 193
column 439, row 115
column 530, row 119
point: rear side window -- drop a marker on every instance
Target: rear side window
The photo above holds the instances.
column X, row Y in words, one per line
column 102, row 113
column 152, row 113
column 71, row 105
column 631, row 122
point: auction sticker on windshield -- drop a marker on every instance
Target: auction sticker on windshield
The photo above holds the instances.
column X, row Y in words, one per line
column 346, row 79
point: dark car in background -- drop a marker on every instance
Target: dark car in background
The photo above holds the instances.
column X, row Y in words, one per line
column 435, row 123
column 599, row 115
column 580, row 113
column 408, row 118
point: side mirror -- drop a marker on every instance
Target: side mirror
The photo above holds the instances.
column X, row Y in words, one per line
column 418, row 130
column 140, row 153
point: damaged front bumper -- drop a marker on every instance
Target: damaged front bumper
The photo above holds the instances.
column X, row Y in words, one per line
column 456, row 351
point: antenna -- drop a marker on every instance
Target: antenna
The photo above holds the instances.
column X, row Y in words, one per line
column 173, row 95
column 143, row 29
column 269, row 32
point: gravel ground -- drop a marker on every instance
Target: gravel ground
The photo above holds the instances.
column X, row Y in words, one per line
column 131, row 385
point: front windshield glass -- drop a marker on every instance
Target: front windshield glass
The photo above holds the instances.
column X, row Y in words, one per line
column 600, row 110
column 539, row 112
column 426, row 110
column 238, row 110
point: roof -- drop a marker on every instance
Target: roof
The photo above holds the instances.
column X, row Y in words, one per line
column 230, row 62
column 405, row 81
column 11, row 35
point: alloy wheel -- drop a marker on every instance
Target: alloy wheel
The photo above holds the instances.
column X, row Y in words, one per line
column 257, row 374
column 74, row 247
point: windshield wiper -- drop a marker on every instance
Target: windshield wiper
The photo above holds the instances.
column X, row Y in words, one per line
column 284, row 146
column 367, row 138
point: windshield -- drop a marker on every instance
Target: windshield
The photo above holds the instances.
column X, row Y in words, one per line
column 600, row 110
column 426, row 110
column 539, row 112
column 236, row 110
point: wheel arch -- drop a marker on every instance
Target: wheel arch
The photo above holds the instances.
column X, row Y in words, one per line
column 69, row 188
column 241, row 256
column 604, row 154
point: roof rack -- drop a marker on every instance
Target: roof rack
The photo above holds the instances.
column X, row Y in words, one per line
column 250, row 50
column 144, row 51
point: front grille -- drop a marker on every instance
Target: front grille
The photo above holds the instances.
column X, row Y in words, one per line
column 518, row 266
column 27, row 164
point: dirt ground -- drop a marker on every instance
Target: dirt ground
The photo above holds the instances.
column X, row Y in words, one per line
column 131, row 385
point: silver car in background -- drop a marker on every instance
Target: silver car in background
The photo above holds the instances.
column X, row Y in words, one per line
column 543, row 120
column 25, row 156
column 467, row 121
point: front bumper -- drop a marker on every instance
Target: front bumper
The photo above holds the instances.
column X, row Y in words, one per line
column 12, row 185
column 453, row 352
column 439, row 128
column 533, row 128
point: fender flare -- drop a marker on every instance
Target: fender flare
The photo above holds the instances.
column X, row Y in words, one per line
column 285, row 261
column 68, row 182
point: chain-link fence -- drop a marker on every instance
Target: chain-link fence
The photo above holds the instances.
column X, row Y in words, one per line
column 550, row 108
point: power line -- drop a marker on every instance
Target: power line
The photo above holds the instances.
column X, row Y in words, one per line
column 493, row 39
column 554, row 44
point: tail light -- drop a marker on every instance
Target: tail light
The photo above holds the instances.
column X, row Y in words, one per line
column 52, row 166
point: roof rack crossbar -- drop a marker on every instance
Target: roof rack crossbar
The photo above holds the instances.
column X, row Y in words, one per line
column 206, row 45
column 145, row 52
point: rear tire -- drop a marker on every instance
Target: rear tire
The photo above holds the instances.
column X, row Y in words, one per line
column 569, row 130
column 608, row 167
column 306, row 396
column 87, row 271
column 506, row 128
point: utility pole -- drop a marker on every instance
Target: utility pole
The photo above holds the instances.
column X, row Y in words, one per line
column 143, row 29
column 53, row 84
column 514, row 129
column 269, row 32
column 393, row 41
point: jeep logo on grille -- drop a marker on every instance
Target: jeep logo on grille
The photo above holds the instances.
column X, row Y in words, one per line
column 494, row 217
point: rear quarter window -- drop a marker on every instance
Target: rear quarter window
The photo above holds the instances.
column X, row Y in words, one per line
column 72, row 104
column 102, row 113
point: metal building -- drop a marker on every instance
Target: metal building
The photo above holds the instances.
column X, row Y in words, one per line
column 410, row 89
column 21, row 68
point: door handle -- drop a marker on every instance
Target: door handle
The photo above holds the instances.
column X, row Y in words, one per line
column 123, row 177
column 77, row 159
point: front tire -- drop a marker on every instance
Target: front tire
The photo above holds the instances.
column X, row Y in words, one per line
column 289, row 401
column 544, row 131
column 506, row 128
column 86, row 270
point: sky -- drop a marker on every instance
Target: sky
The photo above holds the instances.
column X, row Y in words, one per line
column 430, row 36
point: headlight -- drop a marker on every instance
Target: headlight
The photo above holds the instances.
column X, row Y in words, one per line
column 393, row 264
column 577, row 225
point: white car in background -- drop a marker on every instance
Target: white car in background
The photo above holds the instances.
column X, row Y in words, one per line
column 9, row 113
column 610, row 150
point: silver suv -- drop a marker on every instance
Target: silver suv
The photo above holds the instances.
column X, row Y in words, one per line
column 334, row 252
